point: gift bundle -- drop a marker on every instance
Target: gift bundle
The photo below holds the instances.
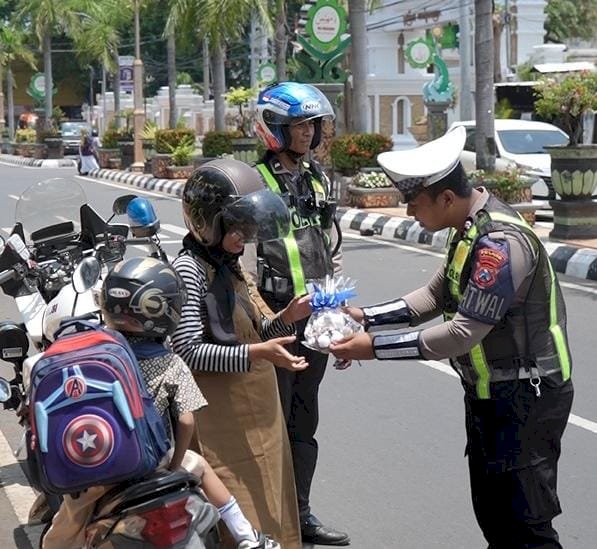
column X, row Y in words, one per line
column 328, row 323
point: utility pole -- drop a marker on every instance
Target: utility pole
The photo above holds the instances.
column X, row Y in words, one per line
column 205, row 69
column 357, row 15
column 138, row 112
column 464, row 39
column 485, row 133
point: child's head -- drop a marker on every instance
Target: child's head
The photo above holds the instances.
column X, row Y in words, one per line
column 143, row 297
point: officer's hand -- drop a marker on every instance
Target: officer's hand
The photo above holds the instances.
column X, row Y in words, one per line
column 297, row 309
column 358, row 347
column 273, row 351
column 356, row 313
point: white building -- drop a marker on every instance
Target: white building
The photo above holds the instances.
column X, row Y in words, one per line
column 395, row 88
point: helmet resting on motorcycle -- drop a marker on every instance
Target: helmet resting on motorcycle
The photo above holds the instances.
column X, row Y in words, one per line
column 227, row 194
column 280, row 104
column 143, row 296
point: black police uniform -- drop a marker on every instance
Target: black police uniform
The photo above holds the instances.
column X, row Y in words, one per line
column 285, row 268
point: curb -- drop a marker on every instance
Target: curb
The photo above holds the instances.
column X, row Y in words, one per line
column 148, row 182
column 569, row 260
column 38, row 163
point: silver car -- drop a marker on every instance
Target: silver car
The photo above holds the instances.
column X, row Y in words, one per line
column 71, row 134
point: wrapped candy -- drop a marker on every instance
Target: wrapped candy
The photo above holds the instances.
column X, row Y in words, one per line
column 328, row 323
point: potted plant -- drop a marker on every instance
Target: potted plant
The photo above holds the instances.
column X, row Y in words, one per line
column 372, row 189
column 109, row 150
column 511, row 186
column 182, row 159
column 148, row 139
column 244, row 146
column 25, row 141
column 165, row 142
column 564, row 102
column 51, row 141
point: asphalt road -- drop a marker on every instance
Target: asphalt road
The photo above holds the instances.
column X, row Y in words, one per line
column 391, row 469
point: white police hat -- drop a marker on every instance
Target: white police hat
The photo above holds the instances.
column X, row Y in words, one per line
column 424, row 165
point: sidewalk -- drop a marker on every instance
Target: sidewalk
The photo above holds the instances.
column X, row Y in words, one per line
column 38, row 163
column 575, row 258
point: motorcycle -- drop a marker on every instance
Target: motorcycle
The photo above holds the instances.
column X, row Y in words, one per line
column 52, row 267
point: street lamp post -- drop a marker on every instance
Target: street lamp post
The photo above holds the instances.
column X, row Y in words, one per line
column 138, row 113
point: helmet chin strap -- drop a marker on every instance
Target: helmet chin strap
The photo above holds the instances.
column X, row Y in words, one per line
column 295, row 156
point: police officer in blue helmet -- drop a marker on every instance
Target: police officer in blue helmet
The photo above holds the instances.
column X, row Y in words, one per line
column 289, row 122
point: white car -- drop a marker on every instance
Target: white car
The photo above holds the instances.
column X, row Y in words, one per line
column 519, row 143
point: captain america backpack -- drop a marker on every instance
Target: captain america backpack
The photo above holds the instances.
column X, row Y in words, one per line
column 93, row 421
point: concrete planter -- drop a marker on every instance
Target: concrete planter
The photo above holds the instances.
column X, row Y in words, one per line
column 245, row 149
column 127, row 153
column 54, row 147
column 27, row 149
column 574, row 171
column 574, row 219
column 385, row 197
column 40, row 151
column 159, row 163
column 105, row 155
column 179, row 172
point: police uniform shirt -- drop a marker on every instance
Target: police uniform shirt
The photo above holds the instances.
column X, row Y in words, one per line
column 501, row 274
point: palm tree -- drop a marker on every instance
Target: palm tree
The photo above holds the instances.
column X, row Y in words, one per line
column 12, row 48
column 280, row 40
column 218, row 20
column 357, row 14
column 47, row 17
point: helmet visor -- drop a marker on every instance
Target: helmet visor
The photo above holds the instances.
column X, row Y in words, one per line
column 259, row 216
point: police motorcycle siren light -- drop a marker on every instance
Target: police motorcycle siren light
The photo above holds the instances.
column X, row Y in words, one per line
column 280, row 104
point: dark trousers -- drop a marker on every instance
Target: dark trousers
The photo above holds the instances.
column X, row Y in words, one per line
column 299, row 394
column 513, row 447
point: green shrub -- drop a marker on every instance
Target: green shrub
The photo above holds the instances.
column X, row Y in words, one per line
column 507, row 185
column 218, row 143
column 110, row 139
column 182, row 154
column 358, row 150
column 26, row 135
column 166, row 140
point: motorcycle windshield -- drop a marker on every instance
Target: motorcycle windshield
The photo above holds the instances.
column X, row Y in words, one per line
column 53, row 205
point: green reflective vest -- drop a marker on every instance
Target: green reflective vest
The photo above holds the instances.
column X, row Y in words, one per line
column 534, row 332
column 304, row 254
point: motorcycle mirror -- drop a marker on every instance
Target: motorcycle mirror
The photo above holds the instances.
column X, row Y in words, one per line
column 121, row 203
column 86, row 274
column 5, row 390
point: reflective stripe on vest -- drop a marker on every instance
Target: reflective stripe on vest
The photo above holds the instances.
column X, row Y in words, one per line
column 477, row 353
column 292, row 250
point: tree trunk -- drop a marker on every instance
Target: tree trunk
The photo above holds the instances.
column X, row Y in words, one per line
column 485, row 134
column 10, row 100
column 498, row 27
column 49, row 82
column 205, row 69
column 171, row 53
column 280, row 40
column 116, row 90
column 358, row 64
column 219, row 79
column 2, row 111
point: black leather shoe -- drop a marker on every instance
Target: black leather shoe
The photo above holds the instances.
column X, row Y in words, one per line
column 313, row 531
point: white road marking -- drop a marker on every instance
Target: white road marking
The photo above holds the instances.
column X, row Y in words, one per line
column 13, row 196
column 394, row 244
column 573, row 419
column 15, row 484
column 174, row 229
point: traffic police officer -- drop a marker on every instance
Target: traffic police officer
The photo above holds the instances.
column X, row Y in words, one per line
column 289, row 119
column 504, row 331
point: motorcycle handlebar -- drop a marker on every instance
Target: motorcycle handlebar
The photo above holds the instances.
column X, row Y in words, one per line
column 7, row 275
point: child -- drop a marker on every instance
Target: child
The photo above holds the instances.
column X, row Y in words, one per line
column 147, row 309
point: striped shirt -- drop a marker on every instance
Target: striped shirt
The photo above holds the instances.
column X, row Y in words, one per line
column 191, row 338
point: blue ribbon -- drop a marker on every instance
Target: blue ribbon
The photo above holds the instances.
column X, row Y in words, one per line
column 321, row 300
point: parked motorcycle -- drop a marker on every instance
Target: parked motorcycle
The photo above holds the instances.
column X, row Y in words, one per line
column 52, row 266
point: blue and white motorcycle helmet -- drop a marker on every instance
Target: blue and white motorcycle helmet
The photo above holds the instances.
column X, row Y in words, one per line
column 280, row 104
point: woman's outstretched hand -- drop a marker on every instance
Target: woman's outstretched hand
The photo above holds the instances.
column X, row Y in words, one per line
column 297, row 309
column 274, row 351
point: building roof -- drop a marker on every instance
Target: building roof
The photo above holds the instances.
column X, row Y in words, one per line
column 564, row 67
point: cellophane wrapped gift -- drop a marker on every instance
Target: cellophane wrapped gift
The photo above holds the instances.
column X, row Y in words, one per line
column 328, row 323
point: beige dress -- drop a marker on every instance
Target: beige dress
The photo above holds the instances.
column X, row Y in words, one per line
column 242, row 434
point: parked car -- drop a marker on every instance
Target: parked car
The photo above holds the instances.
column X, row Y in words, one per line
column 71, row 134
column 521, row 144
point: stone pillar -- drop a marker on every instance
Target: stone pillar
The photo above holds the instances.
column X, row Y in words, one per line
column 437, row 119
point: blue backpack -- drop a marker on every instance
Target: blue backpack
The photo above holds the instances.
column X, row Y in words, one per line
column 93, row 421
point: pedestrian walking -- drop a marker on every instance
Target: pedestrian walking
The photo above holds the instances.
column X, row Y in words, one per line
column 87, row 155
column 504, row 332
column 289, row 119
column 231, row 346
